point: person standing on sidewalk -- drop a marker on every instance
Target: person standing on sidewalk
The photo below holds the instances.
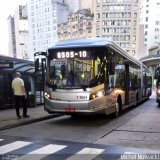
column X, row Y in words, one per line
column 20, row 95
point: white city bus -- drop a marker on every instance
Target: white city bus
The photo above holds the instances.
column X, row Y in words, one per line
column 93, row 75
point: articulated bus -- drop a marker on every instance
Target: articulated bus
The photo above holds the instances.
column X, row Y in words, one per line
column 93, row 75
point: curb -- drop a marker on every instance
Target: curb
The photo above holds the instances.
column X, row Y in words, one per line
column 29, row 122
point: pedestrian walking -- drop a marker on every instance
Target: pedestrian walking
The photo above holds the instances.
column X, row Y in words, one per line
column 20, row 95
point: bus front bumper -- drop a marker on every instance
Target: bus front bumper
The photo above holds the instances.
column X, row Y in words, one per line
column 69, row 107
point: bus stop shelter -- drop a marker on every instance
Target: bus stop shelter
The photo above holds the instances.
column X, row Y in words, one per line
column 10, row 65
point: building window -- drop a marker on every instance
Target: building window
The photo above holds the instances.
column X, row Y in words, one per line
column 97, row 31
column 135, row 15
column 134, row 38
column 98, row 8
column 133, row 45
column 98, row 15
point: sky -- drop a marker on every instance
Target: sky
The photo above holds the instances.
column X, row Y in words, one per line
column 7, row 7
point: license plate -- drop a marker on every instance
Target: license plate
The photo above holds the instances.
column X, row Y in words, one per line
column 69, row 109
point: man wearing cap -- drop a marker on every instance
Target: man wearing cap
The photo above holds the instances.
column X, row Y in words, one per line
column 20, row 95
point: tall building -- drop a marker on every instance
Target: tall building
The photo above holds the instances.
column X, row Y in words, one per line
column 79, row 25
column 150, row 18
column 118, row 20
column 18, row 33
column 44, row 15
column 12, row 38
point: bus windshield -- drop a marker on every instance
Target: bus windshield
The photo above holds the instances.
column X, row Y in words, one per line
column 76, row 73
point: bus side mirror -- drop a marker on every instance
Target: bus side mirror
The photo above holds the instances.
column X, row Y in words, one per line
column 111, row 67
column 36, row 65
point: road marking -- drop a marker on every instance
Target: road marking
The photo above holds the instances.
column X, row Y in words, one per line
column 1, row 139
column 42, row 152
column 13, row 146
column 49, row 149
column 86, row 154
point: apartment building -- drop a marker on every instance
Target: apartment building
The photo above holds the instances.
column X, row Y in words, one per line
column 44, row 15
column 150, row 18
column 118, row 20
column 79, row 25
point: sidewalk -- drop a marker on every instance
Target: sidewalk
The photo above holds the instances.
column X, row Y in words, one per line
column 8, row 118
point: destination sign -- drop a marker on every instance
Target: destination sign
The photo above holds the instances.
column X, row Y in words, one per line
column 72, row 54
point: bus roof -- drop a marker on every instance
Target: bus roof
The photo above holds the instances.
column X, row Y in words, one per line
column 83, row 42
column 92, row 42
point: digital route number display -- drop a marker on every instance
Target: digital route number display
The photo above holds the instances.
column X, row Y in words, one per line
column 72, row 54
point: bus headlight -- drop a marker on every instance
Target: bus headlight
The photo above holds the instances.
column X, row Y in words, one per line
column 92, row 96
column 47, row 95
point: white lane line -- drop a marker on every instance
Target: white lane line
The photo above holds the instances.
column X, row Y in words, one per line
column 13, row 146
column 86, row 154
column 42, row 152
column 1, row 139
